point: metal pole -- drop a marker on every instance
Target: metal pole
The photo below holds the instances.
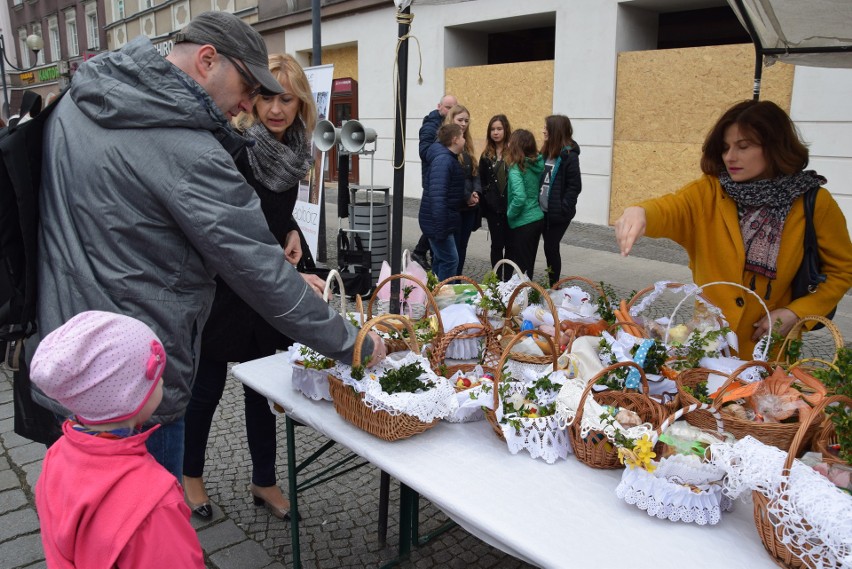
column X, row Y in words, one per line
column 5, row 112
column 399, row 158
column 758, row 49
column 316, row 59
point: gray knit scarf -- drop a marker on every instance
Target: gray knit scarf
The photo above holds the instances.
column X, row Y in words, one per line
column 279, row 165
column 763, row 207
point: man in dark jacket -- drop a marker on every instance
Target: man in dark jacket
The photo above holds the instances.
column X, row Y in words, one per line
column 428, row 134
column 142, row 217
column 443, row 198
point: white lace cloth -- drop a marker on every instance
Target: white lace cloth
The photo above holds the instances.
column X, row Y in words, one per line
column 812, row 515
column 312, row 383
column 542, row 437
column 662, row 493
column 470, row 401
column 435, row 403
column 568, row 401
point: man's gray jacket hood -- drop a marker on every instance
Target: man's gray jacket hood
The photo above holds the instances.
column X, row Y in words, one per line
column 142, row 205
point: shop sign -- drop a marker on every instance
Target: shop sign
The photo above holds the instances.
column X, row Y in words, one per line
column 27, row 77
column 48, row 73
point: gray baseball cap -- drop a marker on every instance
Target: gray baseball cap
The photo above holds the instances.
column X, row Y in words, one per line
column 232, row 37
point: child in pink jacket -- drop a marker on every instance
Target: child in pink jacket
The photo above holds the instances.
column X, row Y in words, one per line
column 102, row 499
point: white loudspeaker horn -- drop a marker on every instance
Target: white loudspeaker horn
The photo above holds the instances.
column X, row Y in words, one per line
column 354, row 136
column 326, row 136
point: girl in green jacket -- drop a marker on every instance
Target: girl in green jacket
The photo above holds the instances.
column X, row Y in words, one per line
column 524, row 214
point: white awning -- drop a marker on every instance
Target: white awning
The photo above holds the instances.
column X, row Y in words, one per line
column 801, row 32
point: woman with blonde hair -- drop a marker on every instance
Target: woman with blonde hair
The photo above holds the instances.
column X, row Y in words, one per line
column 471, row 216
column 280, row 126
column 523, row 213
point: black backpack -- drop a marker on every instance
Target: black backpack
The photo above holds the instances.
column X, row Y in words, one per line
column 20, row 180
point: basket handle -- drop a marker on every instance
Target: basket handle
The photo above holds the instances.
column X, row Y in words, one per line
column 327, row 291
column 546, row 297
column 701, row 288
column 717, row 401
column 406, row 258
column 558, row 284
column 578, row 417
column 430, row 300
column 511, row 264
column 796, row 332
column 411, row 341
column 685, row 411
column 498, row 373
column 816, row 412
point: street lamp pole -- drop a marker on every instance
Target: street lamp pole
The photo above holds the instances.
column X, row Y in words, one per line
column 35, row 43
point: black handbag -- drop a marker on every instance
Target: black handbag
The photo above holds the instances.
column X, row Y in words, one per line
column 809, row 276
column 32, row 421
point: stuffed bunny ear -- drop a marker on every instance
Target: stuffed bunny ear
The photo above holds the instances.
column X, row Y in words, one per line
column 385, row 272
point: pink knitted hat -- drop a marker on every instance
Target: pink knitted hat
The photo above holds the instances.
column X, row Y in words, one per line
column 101, row 366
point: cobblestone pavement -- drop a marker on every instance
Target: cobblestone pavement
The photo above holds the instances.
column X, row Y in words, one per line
column 339, row 529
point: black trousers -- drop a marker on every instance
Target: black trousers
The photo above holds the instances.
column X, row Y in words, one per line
column 260, row 424
column 422, row 246
column 523, row 245
column 498, row 231
column 552, row 235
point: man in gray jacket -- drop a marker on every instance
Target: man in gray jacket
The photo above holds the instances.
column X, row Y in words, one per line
column 142, row 205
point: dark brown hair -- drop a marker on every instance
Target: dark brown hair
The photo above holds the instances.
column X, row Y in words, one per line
column 521, row 145
column 490, row 147
column 447, row 133
column 560, row 134
column 766, row 124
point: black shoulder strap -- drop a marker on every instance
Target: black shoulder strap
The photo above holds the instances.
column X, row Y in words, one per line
column 810, row 245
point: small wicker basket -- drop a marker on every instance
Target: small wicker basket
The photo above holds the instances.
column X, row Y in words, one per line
column 491, row 414
column 396, row 344
column 781, row 553
column 508, row 334
column 490, row 356
column 596, row 450
column 583, row 328
column 350, row 405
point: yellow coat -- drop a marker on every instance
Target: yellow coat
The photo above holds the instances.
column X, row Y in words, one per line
column 703, row 219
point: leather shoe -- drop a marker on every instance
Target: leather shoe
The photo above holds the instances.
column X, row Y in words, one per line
column 421, row 260
column 204, row 511
column 280, row 513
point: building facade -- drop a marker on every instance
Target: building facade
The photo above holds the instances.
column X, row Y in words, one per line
column 641, row 80
column 72, row 31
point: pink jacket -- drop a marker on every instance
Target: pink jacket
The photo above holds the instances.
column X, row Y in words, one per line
column 107, row 503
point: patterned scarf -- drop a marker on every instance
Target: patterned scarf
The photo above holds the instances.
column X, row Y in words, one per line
column 279, row 165
column 764, row 205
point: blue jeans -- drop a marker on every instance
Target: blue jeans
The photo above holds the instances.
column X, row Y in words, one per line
column 166, row 445
column 445, row 257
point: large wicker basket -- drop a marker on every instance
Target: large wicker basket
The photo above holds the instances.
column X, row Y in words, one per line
column 350, row 405
column 491, row 414
column 595, row 449
column 780, row 435
column 781, row 553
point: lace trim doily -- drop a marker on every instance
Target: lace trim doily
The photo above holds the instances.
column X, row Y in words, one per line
column 470, row 401
column 435, row 403
column 312, row 383
column 812, row 515
column 662, row 493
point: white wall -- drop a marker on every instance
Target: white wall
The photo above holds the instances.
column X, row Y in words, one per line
column 822, row 110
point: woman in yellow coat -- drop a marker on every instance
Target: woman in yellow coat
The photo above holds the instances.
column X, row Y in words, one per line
column 743, row 222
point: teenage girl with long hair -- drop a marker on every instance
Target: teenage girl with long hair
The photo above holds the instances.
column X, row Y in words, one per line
column 494, row 179
column 560, row 187
column 471, row 216
column 523, row 213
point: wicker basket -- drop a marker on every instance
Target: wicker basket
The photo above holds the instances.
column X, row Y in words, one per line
column 491, row 414
column 780, row 435
column 350, row 405
column 596, row 450
column 490, row 357
column 811, row 361
column 396, row 344
column 583, row 328
column 781, row 553
column 508, row 334
column 659, row 311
